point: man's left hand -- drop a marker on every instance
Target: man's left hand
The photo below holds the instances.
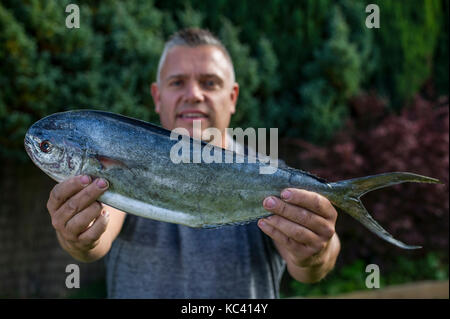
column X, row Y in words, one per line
column 303, row 229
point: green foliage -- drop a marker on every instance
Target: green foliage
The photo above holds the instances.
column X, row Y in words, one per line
column 331, row 79
column 297, row 63
column 107, row 63
column 441, row 58
column 16, row 60
column 189, row 17
column 246, row 69
column 312, row 44
column 406, row 42
column 352, row 277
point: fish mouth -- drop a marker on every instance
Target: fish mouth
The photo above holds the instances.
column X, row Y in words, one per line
column 27, row 142
column 29, row 148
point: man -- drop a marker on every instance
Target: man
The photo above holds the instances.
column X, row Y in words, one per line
column 151, row 259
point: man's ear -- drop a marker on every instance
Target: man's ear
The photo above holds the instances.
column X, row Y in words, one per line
column 156, row 97
column 234, row 97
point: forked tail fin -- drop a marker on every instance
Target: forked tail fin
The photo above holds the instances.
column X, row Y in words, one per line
column 348, row 192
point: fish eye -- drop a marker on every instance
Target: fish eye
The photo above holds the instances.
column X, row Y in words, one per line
column 45, row 146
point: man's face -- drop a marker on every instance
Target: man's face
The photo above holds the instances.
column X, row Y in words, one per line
column 195, row 84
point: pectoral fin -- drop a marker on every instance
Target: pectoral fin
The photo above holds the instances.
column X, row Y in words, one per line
column 108, row 162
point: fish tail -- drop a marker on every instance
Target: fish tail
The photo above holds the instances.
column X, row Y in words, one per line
column 348, row 192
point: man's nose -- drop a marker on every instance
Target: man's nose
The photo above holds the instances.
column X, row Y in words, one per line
column 194, row 93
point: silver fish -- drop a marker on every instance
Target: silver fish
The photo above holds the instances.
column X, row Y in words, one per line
column 133, row 156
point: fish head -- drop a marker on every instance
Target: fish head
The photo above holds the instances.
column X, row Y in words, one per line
column 53, row 146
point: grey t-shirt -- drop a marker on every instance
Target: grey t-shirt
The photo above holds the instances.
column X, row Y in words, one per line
column 152, row 259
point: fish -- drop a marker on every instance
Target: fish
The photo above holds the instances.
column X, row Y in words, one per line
column 134, row 156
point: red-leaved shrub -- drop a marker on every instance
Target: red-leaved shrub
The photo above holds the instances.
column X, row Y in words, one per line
column 415, row 141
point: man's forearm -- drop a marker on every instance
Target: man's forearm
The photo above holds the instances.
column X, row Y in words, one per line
column 316, row 273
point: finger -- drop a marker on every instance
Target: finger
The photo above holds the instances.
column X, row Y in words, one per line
column 281, row 238
column 66, row 189
column 300, row 215
column 311, row 201
column 81, row 221
column 93, row 233
column 293, row 231
column 80, row 201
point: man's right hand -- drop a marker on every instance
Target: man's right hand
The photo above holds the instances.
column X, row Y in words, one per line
column 79, row 220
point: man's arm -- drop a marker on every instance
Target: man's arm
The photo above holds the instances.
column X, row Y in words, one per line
column 84, row 227
column 303, row 230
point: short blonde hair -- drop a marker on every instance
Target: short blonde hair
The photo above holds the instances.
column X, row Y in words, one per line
column 193, row 37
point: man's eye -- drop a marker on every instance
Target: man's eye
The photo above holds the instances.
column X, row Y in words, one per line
column 176, row 83
column 209, row 83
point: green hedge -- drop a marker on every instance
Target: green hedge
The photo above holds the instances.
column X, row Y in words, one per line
column 406, row 44
column 298, row 63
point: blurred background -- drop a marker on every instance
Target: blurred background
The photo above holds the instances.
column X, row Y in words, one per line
column 348, row 101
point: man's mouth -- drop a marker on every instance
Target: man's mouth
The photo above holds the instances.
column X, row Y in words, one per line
column 190, row 115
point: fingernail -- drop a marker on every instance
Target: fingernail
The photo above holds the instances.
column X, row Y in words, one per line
column 286, row 194
column 269, row 203
column 262, row 223
column 101, row 183
column 85, row 180
column 105, row 213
